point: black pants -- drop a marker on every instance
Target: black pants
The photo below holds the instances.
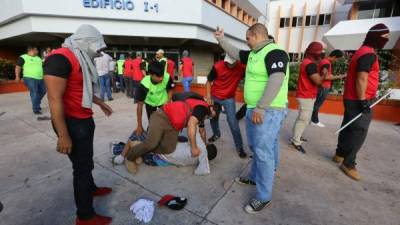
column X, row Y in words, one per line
column 135, row 85
column 114, row 79
column 150, row 109
column 352, row 138
column 82, row 132
column 321, row 96
column 128, row 87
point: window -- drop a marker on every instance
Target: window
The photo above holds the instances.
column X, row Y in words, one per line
column 294, row 21
column 308, row 20
column 313, row 20
column 295, row 57
column 282, row 23
column 327, row 19
column 299, row 21
column 383, row 9
column 287, row 22
column 321, row 19
column 396, row 9
column 378, row 9
column 290, row 57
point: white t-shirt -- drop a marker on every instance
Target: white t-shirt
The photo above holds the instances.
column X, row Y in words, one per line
column 112, row 65
column 182, row 156
column 103, row 64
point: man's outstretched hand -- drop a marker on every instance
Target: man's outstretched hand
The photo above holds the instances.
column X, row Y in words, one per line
column 219, row 34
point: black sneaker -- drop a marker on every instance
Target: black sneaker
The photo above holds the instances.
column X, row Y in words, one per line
column 110, row 99
column 37, row 113
column 214, row 138
column 303, row 139
column 242, row 153
column 244, row 181
column 255, row 206
column 298, row 148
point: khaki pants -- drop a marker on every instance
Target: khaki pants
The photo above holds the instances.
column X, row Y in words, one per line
column 306, row 106
column 161, row 138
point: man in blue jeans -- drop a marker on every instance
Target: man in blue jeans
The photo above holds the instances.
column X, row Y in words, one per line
column 30, row 65
column 325, row 70
column 102, row 66
column 266, row 96
column 186, row 68
column 221, row 85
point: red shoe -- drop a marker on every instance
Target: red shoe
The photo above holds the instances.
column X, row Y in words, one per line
column 102, row 191
column 97, row 220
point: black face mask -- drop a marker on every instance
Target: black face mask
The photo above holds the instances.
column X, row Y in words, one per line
column 374, row 37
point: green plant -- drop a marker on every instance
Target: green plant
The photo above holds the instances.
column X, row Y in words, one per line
column 7, row 69
column 339, row 67
column 294, row 69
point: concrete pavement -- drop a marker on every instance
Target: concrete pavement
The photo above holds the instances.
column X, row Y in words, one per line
column 36, row 181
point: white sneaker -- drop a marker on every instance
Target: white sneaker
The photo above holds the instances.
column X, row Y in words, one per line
column 319, row 124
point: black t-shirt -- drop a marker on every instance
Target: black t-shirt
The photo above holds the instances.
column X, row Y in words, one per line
column 200, row 112
column 365, row 62
column 141, row 91
column 57, row 65
column 212, row 75
column 311, row 69
column 275, row 61
column 20, row 62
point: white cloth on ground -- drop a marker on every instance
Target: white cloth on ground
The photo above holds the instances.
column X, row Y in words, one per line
column 118, row 160
column 143, row 209
column 182, row 156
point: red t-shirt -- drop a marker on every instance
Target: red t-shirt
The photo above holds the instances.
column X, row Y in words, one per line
column 325, row 62
column 373, row 75
column 187, row 67
column 137, row 72
column 171, row 68
column 179, row 112
column 305, row 87
column 128, row 68
column 72, row 98
column 225, row 80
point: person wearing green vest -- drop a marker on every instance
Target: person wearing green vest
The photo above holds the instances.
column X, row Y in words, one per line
column 162, row 59
column 266, row 96
column 154, row 91
column 30, row 65
column 120, row 72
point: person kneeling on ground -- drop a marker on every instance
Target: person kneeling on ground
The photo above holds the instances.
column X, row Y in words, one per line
column 165, row 124
column 182, row 156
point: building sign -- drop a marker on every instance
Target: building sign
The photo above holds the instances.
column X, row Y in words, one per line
column 128, row 5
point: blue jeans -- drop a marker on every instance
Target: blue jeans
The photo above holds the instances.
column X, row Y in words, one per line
column 37, row 90
column 230, row 109
column 121, row 82
column 186, row 81
column 105, row 86
column 264, row 143
column 321, row 96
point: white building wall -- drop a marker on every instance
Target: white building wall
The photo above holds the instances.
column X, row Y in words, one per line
column 312, row 8
column 194, row 19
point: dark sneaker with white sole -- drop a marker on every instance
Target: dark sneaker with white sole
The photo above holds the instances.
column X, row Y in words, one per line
column 255, row 206
column 214, row 138
column 298, row 148
column 244, row 181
